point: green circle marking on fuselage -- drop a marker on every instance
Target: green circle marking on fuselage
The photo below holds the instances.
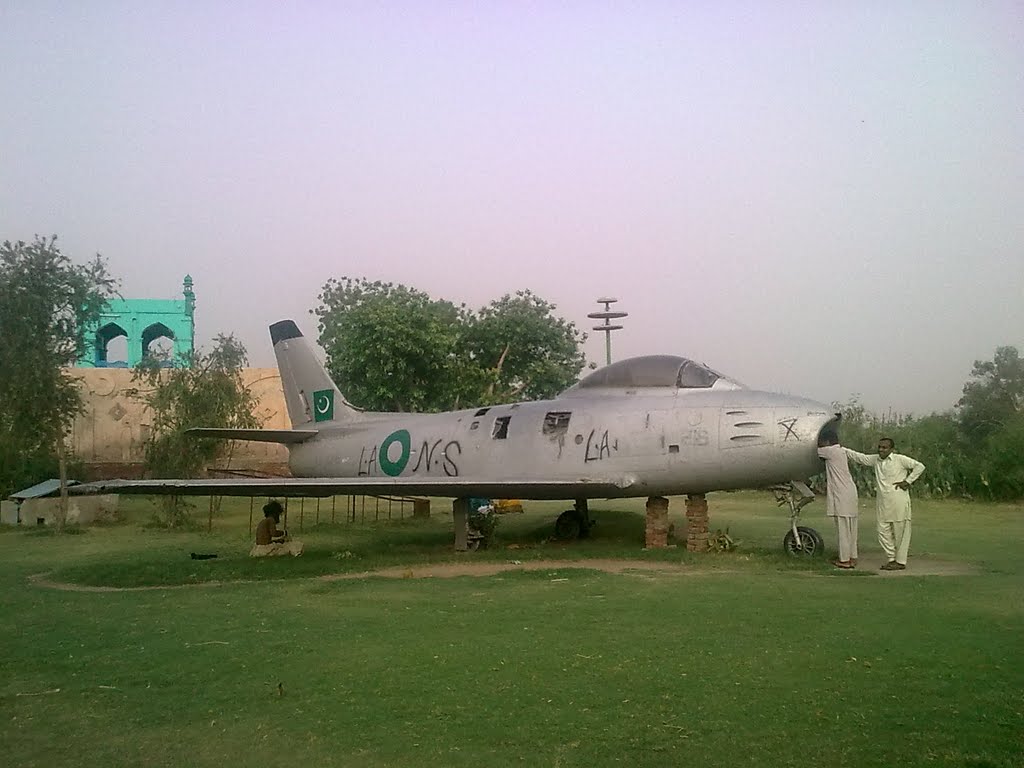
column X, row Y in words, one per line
column 394, row 468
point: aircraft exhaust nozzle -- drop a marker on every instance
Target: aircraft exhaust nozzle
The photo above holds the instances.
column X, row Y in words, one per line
column 310, row 394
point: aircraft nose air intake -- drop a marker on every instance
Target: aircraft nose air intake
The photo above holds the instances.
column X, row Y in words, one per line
column 830, row 429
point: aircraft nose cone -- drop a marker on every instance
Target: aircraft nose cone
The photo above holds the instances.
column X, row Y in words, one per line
column 822, row 419
column 807, row 417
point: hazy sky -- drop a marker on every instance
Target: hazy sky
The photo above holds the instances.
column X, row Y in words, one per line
column 823, row 198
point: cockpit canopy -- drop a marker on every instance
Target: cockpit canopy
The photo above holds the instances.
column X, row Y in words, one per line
column 655, row 371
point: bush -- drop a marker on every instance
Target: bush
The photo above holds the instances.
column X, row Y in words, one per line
column 958, row 465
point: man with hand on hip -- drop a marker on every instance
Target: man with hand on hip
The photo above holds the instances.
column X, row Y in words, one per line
column 894, row 474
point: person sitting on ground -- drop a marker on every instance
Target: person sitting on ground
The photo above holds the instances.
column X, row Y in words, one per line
column 269, row 540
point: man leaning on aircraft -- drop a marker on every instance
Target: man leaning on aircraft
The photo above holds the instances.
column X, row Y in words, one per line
column 894, row 474
column 841, row 498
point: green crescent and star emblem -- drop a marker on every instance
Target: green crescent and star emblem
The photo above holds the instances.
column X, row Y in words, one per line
column 323, row 405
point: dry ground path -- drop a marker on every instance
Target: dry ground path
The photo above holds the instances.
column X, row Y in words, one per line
column 917, row 567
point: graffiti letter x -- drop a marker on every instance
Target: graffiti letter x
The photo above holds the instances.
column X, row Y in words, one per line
column 789, row 424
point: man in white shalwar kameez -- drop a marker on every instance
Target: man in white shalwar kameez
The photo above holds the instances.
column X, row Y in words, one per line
column 894, row 474
column 840, row 499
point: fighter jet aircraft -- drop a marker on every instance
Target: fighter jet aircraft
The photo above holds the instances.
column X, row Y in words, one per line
column 650, row 426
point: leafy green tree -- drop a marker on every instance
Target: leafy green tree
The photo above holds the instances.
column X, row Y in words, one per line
column 994, row 395
column 206, row 391
column 394, row 348
column 46, row 301
column 525, row 350
column 390, row 347
column 999, row 462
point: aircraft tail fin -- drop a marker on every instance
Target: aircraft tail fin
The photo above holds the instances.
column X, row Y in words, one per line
column 309, row 392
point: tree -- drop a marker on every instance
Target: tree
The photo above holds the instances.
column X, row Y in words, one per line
column 390, row 347
column 526, row 351
column 206, row 391
column 46, row 301
column 994, row 396
column 394, row 348
column 999, row 462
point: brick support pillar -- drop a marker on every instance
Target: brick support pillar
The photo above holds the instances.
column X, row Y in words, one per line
column 460, row 511
column 656, row 532
column 696, row 523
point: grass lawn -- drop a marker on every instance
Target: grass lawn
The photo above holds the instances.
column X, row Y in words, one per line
column 744, row 658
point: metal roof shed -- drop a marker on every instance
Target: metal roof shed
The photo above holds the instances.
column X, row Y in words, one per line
column 45, row 488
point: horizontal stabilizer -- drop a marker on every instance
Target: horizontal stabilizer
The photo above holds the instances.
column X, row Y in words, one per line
column 285, row 436
column 446, row 487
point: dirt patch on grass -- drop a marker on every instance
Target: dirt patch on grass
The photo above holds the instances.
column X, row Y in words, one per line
column 452, row 570
column 916, row 567
column 639, row 568
column 423, row 571
column 921, row 566
column 44, row 580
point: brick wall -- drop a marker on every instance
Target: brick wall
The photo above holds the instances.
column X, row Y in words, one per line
column 109, row 437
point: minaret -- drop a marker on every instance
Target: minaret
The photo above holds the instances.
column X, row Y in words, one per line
column 190, row 307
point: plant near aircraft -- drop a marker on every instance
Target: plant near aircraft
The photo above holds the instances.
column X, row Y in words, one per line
column 207, row 390
column 721, row 541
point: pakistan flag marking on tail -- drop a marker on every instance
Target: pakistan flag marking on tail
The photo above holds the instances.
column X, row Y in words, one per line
column 323, row 405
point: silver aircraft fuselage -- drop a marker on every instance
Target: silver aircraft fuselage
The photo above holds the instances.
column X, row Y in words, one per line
column 647, row 441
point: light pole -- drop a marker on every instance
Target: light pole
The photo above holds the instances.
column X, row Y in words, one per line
column 606, row 327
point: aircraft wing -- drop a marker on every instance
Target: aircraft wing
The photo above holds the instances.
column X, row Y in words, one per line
column 286, row 436
column 450, row 487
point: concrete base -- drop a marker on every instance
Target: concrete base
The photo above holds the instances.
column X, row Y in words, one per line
column 82, row 510
column 421, row 508
column 460, row 512
column 9, row 512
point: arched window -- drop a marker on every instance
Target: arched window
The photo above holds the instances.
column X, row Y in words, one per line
column 158, row 343
column 111, row 346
